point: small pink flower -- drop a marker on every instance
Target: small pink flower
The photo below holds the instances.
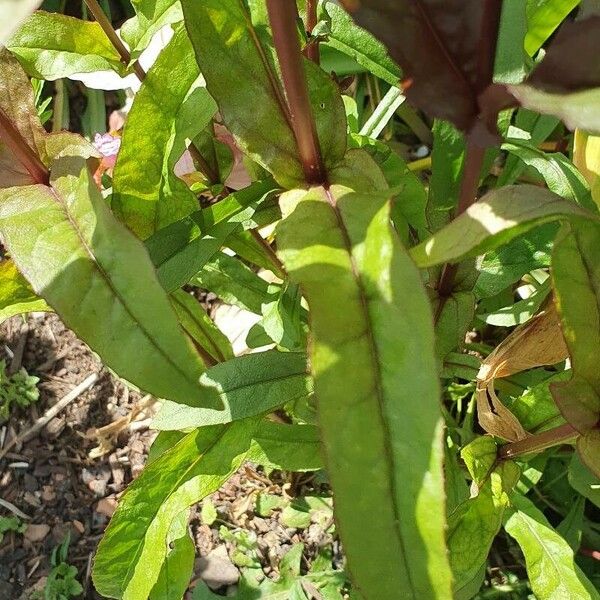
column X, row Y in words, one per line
column 108, row 145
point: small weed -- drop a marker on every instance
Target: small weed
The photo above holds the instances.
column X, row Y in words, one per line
column 19, row 389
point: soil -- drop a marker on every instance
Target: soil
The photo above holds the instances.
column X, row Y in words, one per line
column 67, row 478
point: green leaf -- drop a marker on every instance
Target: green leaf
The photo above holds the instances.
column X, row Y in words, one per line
column 543, row 17
column 151, row 16
column 228, row 48
column 16, row 295
column 511, row 63
column 181, row 249
column 584, row 481
column 133, row 549
column 177, row 569
column 497, row 218
column 235, row 283
column 96, row 277
column 12, row 13
column 52, row 46
column 570, row 527
column 284, row 319
column 558, row 172
column 200, row 327
column 170, row 107
column 552, row 571
column 576, row 278
column 338, row 244
column 506, row 265
column 447, row 159
column 476, row 522
column 248, row 385
column 344, row 35
column 295, row 448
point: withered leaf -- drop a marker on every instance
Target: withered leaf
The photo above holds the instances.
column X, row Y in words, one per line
column 536, row 343
column 446, row 49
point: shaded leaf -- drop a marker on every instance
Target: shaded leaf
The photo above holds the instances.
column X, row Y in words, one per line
column 586, row 157
column 248, row 385
column 16, row 295
column 235, row 283
column 588, row 447
column 52, row 46
column 576, row 278
column 134, row 548
column 440, row 48
column 552, row 571
column 228, row 48
column 288, row 447
column 337, row 243
column 94, row 277
column 497, row 218
column 170, row 107
column 200, row 327
column 584, row 481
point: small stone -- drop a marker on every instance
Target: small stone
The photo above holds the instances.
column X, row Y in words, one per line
column 31, row 500
column 106, row 506
column 79, row 526
column 36, row 533
column 48, row 494
column 216, row 569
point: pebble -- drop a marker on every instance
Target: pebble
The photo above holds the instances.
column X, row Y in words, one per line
column 216, row 569
column 36, row 533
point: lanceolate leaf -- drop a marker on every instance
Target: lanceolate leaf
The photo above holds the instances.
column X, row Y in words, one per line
column 440, row 47
column 200, row 327
column 498, row 217
column 338, row 244
column 248, row 386
column 134, row 547
column 550, row 564
column 51, row 46
column 98, row 277
column 168, row 109
column 228, row 49
column 16, row 295
column 576, row 276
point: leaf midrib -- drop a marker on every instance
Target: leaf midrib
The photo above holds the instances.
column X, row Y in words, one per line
column 390, row 463
column 114, row 290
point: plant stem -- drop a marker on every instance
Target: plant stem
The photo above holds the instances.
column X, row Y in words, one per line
column 282, row 16
column 312, row 48
column 538, row 442
column 115, row 40
column 278, row 267
column 15, row 142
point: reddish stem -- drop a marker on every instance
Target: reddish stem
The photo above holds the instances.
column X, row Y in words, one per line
column 283, row 15
column 15, row 142
column 312, row 48
column 115, row 40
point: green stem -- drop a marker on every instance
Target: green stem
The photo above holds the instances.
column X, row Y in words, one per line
column 16, row 144
column 283, row 15
column 540, row 441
